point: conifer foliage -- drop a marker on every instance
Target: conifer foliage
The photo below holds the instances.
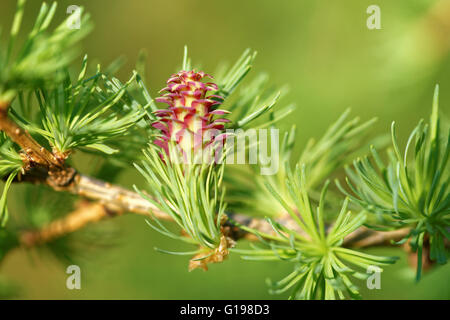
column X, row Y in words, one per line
column 54, row 104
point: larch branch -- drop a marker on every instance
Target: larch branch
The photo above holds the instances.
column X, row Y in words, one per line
column 42, row 166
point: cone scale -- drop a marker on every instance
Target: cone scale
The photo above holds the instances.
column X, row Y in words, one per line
column 190, row 121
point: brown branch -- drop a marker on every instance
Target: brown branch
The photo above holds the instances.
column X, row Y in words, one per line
column 111, row 201
column 89, row 212
column 85, row 214
column 116, row 199
column 374, row 238
column 42, row 166
column 35, row 152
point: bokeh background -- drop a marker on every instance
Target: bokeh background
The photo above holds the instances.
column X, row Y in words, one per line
column 328, row 57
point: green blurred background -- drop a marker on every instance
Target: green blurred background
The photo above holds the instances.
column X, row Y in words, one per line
column 331, row 61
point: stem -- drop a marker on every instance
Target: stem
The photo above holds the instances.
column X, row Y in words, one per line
column 41, row 166
column 35, row 152
column 114, row 198
column 94, row 212
column 374, row 238
column 85, row 214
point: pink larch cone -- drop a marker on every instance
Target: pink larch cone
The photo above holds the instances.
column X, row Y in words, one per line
column 189, row 120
